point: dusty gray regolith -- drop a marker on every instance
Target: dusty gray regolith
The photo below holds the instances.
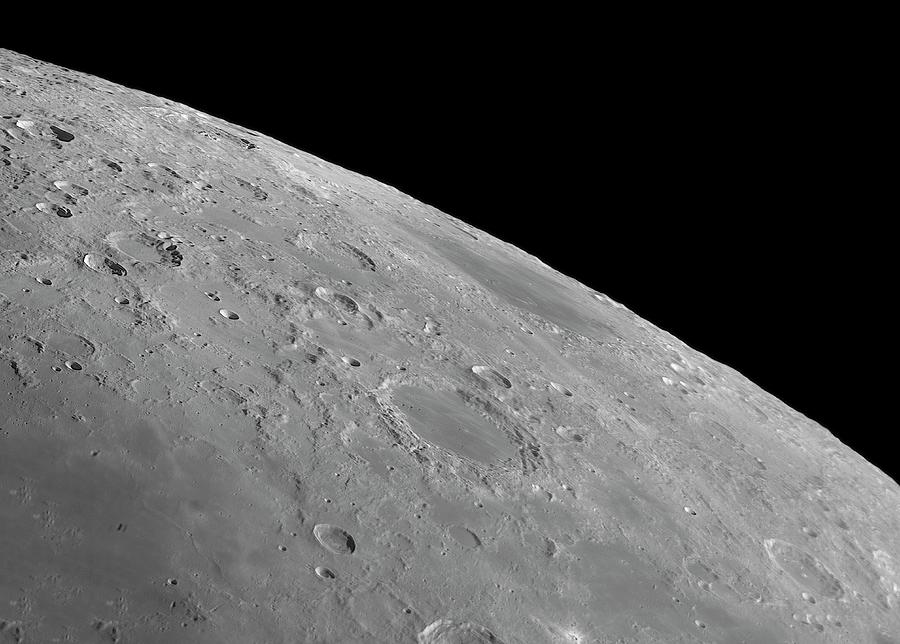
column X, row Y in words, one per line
column 251, row 396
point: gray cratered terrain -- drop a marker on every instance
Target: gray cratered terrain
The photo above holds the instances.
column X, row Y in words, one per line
column 249, row 396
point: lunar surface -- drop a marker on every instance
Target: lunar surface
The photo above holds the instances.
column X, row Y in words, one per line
column 252, row 397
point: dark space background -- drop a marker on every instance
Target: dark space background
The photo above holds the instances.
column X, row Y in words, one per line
column 720, row 191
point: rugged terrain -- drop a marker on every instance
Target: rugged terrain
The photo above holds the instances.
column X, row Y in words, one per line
column 249, row 396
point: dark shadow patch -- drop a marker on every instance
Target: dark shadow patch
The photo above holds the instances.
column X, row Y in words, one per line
column 62, row 135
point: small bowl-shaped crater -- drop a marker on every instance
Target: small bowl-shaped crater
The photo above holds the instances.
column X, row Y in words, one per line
column 562, row 389
column 353, row 362
column 231, row 315
column 115, row 268
column 325, row 573
column 43, row 280
column 73, row 365
column 334, row 539
column 492, row 375
column 446, row 631
column 570, row 434
column 93, row 261
column 121, row 300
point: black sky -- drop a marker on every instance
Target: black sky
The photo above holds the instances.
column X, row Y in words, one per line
column 715, row 191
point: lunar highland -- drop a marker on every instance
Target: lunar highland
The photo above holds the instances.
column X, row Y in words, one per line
column 250, row 396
